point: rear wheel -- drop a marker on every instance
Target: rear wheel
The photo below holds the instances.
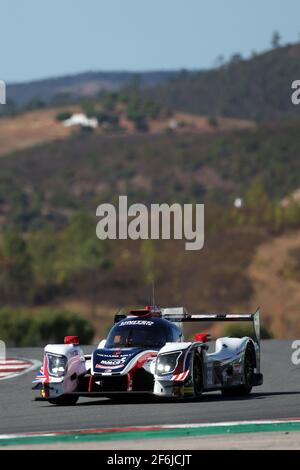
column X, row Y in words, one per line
column 64, row 400
column 246, row 387
column 197, row 376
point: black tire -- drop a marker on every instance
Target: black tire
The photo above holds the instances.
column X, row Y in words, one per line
column 64, row 400
column 197, row 376
column 246, row 387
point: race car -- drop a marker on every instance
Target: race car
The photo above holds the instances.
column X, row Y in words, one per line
column 145, row 352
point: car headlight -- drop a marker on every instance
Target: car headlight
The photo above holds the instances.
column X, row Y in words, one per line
column 167, row 363
column 57, row 365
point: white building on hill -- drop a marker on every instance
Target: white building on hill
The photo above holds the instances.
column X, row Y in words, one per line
column 80, row 119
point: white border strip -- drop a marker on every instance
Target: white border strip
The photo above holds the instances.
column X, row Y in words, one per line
column 231, row 423
column 150, row 427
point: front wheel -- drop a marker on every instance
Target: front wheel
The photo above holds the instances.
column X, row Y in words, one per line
column 64, row 400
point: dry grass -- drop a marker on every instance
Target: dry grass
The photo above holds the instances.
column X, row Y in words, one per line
column 38, row 127
column 30, row 129
column 277, row 294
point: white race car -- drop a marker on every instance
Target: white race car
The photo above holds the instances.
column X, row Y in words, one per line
column 145, row 352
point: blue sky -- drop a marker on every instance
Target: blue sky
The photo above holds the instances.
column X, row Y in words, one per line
column 54, row 37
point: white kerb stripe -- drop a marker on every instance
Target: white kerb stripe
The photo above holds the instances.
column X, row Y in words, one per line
column 18, row 367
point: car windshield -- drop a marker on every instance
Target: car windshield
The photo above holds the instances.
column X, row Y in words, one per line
column 124, row 335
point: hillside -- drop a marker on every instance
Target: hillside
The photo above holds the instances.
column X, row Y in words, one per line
column 51, row 182
column 28, row 129
column 80, row 85
column 258, row 88
column 49, row 195
column 50, row 256
column 276, row 282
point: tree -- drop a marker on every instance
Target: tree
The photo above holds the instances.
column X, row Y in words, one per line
column 88, row 108
column 136, row 113
column 109, row 102
column 20, row 327
column 141, row 125
column 213, row 122
column 292, row 214
column 276, row 40
column 43, row 247
column 35, row 103
column 149, row 259
column 15, row 268
column 135, row 83
column 220, row 60
column 236, row 58
column 80, row 249
column 278, row 217
column 258, row 204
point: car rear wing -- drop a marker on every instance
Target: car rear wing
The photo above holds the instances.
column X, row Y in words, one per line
column 180, row 315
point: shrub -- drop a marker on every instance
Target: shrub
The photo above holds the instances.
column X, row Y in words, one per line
column 63, row 116
column 88, row 108
column 86, row 129
column 14, row 327
column 23, row 328
column 107, row 118
column 110, row 101
column 35, row 103
column 15, row 268
column 51, row 325
column 141, row 125
column 213, row 122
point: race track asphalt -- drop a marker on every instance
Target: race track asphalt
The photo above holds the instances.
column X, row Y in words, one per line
column 279, row 397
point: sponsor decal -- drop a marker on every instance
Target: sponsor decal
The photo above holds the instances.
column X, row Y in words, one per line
column 118, row 353
column 180, row 377
column 127, row 363
column 114, row 362
column 136, row 322
column 107, row 368
column 112, row 355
